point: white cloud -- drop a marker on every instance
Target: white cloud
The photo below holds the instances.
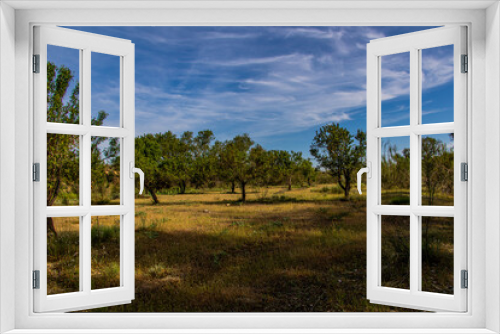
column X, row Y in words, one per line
column 270, row 93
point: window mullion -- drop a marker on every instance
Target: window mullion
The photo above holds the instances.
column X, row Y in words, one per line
column 414, row 175
column 86, row 156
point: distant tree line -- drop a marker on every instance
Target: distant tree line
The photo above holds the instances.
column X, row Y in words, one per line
column 200, row 161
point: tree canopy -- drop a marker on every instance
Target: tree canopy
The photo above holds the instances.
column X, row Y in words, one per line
column 171, row 161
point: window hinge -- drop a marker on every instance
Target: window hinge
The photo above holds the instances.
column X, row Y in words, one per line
column 36, row 279
column 465, row 63
column 36, row 172
column 36, row 63
column 465, row 279
column 464, row 171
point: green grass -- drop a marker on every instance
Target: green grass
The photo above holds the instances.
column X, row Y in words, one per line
column 302, row 250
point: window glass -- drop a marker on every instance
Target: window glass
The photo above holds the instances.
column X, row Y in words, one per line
column 437, row 254
column 105, row 252
column 63, row 170
column 105, row 171
column 63, row 255
column 63, row 85
column 437, row 169
column 396, row 251
column 437, row 84
column 395, row 169
column 105, row 89
column 395, row 89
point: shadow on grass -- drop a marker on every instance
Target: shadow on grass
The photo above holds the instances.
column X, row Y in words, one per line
column 250, row 202
column 266, row 269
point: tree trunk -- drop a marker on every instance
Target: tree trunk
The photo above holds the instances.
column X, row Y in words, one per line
column 243, row 191
column 182, row 187
column 153, row 195
column 347, row 188
column 347, row 193
column 50, row 226
column 426, row 236
column 290, row 183
column 233, row 185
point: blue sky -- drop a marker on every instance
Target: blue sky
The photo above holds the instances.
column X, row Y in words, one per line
column 279, row 84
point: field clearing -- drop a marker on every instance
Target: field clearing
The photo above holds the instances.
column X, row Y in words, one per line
column 302, row 250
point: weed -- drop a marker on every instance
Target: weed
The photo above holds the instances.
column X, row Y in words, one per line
column 218, row 256
column 141, row 214
column 158, row 270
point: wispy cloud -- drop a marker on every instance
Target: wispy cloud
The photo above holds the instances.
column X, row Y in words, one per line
column 266, row 81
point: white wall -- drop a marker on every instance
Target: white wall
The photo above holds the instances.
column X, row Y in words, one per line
column 7, row 161
column 479, row 122
column 492, row 149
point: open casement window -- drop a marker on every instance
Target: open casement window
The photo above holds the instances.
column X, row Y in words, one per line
column 406, row 236
column 78, row 160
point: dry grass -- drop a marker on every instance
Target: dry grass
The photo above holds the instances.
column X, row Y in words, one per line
column 282, row 251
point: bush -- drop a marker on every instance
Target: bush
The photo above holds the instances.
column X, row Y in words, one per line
column 400, row 200
column 331, row 190
column 104, row 233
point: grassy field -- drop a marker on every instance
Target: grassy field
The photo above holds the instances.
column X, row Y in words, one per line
column 302, row 250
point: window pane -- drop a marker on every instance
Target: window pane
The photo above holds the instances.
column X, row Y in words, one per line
column 63, row 170
column 395, row 89
column 395, row 169
column 105, row 89
column 105, row 252
column 63, row 255
column 437, row 254
column 437, row 169
column 63, row 85
column 437, row 85
column 396, row 252
column 105, row 171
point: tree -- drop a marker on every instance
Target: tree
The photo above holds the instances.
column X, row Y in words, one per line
column 149, row 156
column 236, row 157
column 184, row 160
column 334, row 149
column 223, row 163
column 306, row 170
column 203, row 163
column 285, row 166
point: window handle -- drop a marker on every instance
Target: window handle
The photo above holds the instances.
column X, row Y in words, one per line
column 368, row 171
column 134, row 170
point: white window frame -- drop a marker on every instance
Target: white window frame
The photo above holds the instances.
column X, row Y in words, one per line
column 483, row 314
column 86, row 44
column 413, row 44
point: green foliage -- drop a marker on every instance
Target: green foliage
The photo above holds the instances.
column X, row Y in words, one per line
column 437, row 168
column 400, row 200
column 172, row 163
